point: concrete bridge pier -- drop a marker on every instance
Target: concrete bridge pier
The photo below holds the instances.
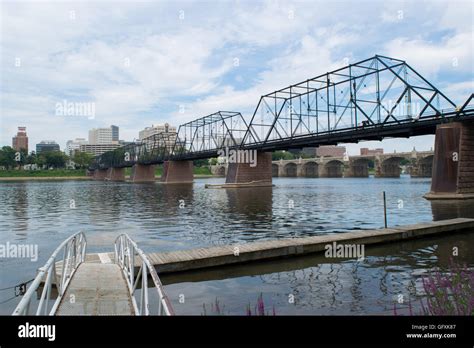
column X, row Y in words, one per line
column 116, row 174
column 453, row 166
column 143, row 173
column 100, row 174
column 387, row 168
column 331, row 169
column 175, row 172
column 422, row 167
column 258, row 175
column 358, row 168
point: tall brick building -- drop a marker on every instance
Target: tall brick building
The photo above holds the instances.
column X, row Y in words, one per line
column 331, row 151
column 370, row 152
column 20, row 140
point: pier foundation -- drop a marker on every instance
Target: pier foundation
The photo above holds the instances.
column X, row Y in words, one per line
column 453, row 165
column 116, row 174
column 100, row 174
column 142, row 173
column 175, row 172
column 244, row 174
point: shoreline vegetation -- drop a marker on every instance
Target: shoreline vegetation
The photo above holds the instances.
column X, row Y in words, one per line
column 77, row 174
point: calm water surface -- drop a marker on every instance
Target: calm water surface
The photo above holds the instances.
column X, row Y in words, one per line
column 173, row 217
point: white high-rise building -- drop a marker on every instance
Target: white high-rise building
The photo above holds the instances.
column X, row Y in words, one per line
column 98, row 149
column 102, row 136
column 74, row 145
column 155, row 129
column 167, row 138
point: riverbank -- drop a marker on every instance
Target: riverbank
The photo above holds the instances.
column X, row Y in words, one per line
column 78, row 174
column 45, row 178
column 54, row 173
column 27, row 178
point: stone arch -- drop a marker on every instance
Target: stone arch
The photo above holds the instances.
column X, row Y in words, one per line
column 221, row 171
column 334, row 169
column 290, row 169
column 275, row 168
column 425, row 169
column 310, row 170
column 359, row 168
column 390, row 167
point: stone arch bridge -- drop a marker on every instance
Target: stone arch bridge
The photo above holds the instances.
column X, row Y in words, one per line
column 385, row 165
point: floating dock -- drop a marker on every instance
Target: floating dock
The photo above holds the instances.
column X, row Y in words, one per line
column 204, row 258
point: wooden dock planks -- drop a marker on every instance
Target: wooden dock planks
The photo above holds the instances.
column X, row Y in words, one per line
column 200, row 258
column 96, row 289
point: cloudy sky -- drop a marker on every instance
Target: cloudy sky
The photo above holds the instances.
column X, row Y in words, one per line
column 145, row 62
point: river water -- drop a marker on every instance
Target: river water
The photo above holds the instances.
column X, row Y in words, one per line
column 175, row 217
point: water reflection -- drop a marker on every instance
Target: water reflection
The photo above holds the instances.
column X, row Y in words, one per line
column 19, row 203
column 450, row 209
column 251, row 202
column 176, row 217
column 325, row 286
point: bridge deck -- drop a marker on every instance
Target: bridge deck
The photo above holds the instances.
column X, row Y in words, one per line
column 96, row 289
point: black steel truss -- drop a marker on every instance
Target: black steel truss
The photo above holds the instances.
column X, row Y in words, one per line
column 370, row 99
column 374, row 92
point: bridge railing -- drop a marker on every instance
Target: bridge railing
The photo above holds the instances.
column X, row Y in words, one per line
column 126, row 255
column 74, row 249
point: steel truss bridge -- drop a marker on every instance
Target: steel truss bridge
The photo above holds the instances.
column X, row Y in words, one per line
column 369, row 100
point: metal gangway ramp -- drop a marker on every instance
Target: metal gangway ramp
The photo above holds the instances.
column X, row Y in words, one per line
column 90, row 287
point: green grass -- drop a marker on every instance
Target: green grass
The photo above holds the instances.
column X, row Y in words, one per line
column 42, row 173
column 78, row 172
column 202, row 171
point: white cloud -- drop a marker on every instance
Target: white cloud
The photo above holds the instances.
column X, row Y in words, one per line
column 429, row 58
column 189, row 61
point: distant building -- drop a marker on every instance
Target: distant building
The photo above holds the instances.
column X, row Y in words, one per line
column 227, row 141
column 168, row 135
column 310, row 151
column 98, row 149
column 46, row 146
column 20, row 140
column 74, row 145
column 124, row 142
column 115, row 133
column 331, row 151
column 370, row 152
column 155, row 129
column 100, row 136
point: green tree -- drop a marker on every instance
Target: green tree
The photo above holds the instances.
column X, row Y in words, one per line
column 285, row 155
column 82, row 159
column 22, row 159
column 55, row 159
column 31, row 158
column 40, row 160
column 404, row 162
column 7, row 157
column 201, row 163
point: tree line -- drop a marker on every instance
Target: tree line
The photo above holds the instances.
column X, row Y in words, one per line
column 10, row 158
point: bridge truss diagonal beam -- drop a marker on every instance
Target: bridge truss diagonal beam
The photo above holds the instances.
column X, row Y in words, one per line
column 367, row 100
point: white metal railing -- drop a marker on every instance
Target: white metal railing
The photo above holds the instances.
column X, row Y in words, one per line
column 126, row 251
column 73, row 255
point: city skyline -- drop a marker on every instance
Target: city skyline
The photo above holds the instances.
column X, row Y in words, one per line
column 138, row 75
